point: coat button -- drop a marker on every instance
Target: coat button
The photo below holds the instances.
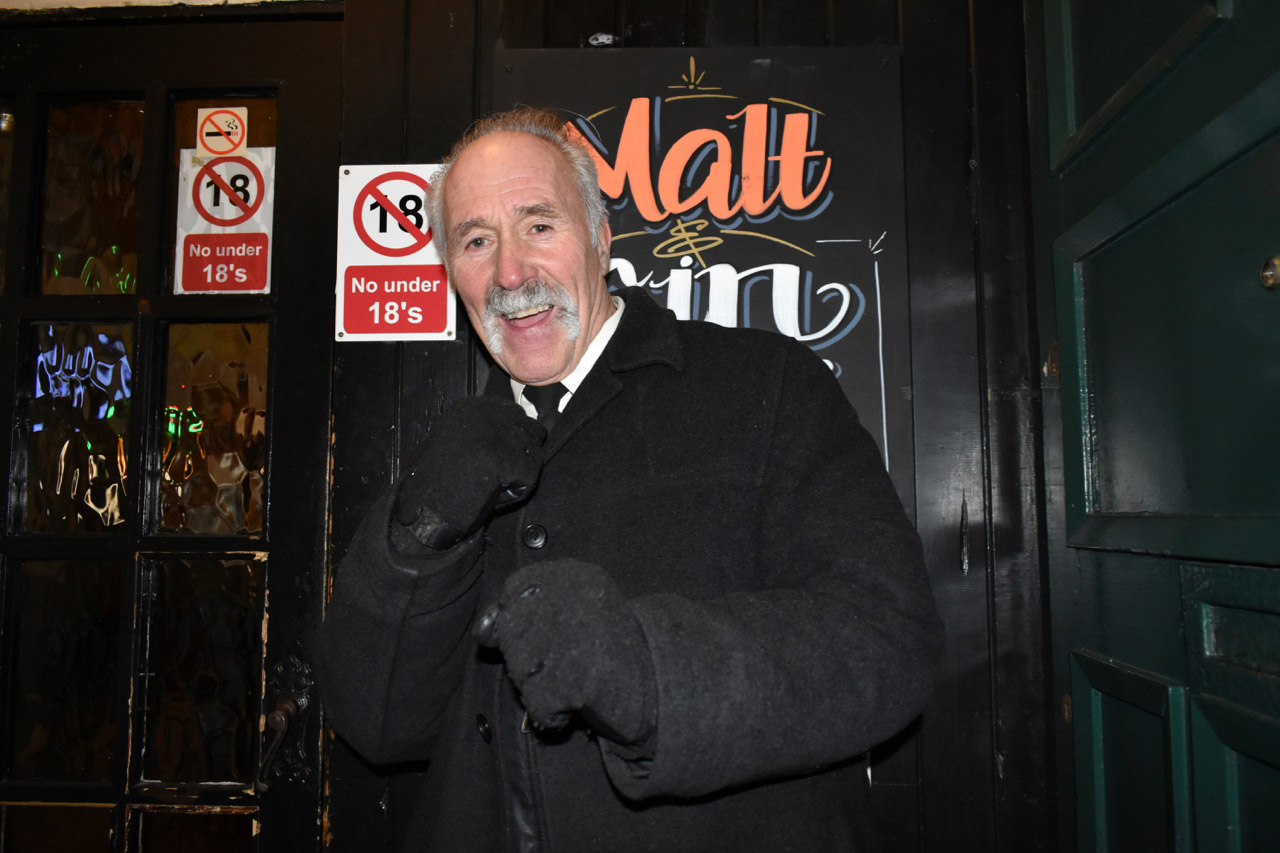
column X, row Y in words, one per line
column 534, row 536
column 486, row 730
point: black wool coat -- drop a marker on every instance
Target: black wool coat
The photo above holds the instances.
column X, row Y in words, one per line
column 721, row 478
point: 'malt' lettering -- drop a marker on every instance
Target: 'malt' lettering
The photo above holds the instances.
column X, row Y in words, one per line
column 632, row 166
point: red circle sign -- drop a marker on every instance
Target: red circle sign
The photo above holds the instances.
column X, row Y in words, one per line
column 420, row 237
column 246, row 209
column 231, row 143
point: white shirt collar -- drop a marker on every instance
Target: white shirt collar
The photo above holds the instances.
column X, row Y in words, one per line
column 579, row 373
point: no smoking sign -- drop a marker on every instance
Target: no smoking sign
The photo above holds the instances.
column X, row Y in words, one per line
column 221, row 131
column 391, row 283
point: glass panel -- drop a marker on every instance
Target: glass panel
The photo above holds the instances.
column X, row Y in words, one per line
column 57, row 829
column 166, row 831
column 1182, row 365
column 64, row 671
column 222, row 241
column 202, row 670
column 215, row 422
column 77, row 455
column 91, row 203
column 6, row 172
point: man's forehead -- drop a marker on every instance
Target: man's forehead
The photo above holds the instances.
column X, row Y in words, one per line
column 520, row 174
column 503, row 156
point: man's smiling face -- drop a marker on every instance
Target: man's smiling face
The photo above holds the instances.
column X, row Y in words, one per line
column 521, row 255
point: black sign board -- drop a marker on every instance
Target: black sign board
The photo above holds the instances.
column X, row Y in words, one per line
column 759, row 188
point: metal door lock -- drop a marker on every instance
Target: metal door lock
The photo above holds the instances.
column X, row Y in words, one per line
column 288, row 707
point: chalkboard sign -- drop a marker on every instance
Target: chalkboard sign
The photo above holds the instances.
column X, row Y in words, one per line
column 758, row 188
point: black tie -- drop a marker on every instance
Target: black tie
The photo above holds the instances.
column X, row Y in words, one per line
column 546, row 400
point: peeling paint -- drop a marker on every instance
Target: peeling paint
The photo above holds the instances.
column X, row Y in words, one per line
column 197, row 809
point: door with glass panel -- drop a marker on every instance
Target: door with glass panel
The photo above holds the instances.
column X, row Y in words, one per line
column 166, row 268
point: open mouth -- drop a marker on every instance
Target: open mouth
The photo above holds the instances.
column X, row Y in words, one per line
column 528, row 312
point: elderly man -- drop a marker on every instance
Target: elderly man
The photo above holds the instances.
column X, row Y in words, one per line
column 652, row 590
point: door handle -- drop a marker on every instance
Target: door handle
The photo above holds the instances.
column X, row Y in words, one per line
column 288, row 707
column 1270, row 273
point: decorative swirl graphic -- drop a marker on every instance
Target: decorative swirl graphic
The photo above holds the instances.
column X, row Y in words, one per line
column 684, row 242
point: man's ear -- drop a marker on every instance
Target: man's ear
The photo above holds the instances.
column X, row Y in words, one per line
column 605, row 242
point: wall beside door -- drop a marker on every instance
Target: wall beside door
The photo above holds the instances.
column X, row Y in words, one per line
column 974, row 772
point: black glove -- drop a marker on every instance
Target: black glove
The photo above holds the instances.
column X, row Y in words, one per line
column 573, row 643
column 484, row 451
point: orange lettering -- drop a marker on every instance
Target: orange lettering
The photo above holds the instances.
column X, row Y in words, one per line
column 714, row 189
column 755, row 153
column 632, row 169
column 795, row 136
column 632, row 163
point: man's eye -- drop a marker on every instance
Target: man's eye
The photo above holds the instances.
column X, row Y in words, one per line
column 541, row 228
column 475, row 242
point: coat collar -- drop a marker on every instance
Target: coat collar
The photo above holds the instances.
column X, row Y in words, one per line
column 647, row 334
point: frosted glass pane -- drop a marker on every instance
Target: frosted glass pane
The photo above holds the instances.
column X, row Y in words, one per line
column 68, row 620
column 93, row 166
column 57, row 829
column 215, row 429
column 202, row 670
column 167, row 831
column 77, row 450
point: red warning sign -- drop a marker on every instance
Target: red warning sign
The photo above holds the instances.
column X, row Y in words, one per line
column 407, row 213
column 228, row 190
column 387, row 300
column 224, row 262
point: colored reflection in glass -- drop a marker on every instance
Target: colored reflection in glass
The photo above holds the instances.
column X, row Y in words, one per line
column 57, row 829
column 166, row 831
column 215, row 429
column 64, row 670
column 7, row 121
column 77, row 454
column 92, row 172
column 202, row 668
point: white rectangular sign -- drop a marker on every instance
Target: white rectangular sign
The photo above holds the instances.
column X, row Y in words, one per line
column 223, row 242
column 391, row 283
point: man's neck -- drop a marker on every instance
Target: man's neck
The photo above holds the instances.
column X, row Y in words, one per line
column 589, row 357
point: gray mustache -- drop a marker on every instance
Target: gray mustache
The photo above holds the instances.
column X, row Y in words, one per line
column 501, row 301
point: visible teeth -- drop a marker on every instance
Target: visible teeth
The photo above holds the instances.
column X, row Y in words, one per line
column 529, row 312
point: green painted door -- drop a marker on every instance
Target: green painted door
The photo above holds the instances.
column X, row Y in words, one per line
column 1158, row 215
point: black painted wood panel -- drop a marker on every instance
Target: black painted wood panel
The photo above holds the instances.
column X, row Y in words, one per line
column 654, row 23
column 794, row 22
column 1022, row 712
column 729, row 23
column 572, row 23
column 956, row 740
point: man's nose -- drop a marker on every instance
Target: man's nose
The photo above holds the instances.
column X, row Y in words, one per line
column 513, row 267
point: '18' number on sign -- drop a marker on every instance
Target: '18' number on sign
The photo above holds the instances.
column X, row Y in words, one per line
column 239, row 184
column 410, row 206
column 390, row 313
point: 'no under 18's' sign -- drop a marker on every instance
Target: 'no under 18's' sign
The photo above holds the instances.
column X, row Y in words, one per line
column 391, row 282
column 224, row 222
